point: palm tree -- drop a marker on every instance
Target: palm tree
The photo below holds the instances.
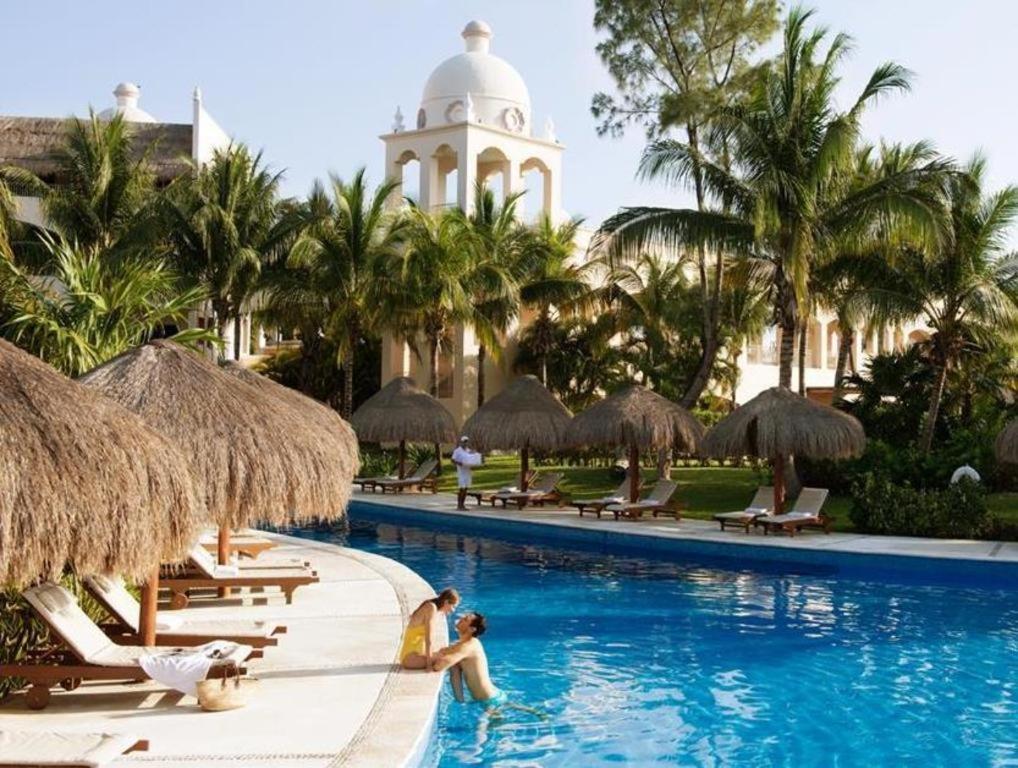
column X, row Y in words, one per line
column 500, row 256
column 422, row 288
column 552, row 283
column 965, row 286
column 745, row 311
column 224, row 222
column 92, row 305
column 783, row 198
column 327, row 281
column 643, row 298
column 106, row 191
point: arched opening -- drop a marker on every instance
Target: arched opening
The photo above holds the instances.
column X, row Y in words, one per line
column 899, row 340
column 407, row 173
column 445, row 164
column 537, row 182
column 493, row 169
column 833, row 342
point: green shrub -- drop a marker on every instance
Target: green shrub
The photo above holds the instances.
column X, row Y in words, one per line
column 885, row 507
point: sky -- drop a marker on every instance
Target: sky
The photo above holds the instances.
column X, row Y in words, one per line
column 313, row 83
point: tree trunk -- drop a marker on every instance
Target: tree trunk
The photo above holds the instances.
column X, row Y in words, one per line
column 931, row 416
column 701, row 378
column 348, row 364
column 735, row 377
column 433, row 365
column 238, row 324
column 803, row 339
column 786, row 350
column 544, row 368
column 482, row 356
column 844, row 350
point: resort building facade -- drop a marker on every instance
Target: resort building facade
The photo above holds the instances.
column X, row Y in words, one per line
column 33, row 143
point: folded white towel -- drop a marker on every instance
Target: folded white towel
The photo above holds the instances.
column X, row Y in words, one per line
column 184, row 668
column 509, row 489
column 757, row 510
column 227, row 571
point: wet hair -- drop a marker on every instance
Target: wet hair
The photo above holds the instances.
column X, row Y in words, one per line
column 478, row 623
column 445, row 597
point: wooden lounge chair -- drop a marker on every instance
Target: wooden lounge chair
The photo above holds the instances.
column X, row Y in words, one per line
column 201, row 560
column 203, row 573
column 762, row 504
column 483, row 495
column 82, row 651
column 422, row 479
column 244, row 544
column 543, row 491
column 656, row 503
column 805, row 513
column 369, row 483
column 41, row 749
column 112, row 595
column 597, row 505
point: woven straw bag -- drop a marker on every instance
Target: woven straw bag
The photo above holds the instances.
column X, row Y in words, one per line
column 232, row 691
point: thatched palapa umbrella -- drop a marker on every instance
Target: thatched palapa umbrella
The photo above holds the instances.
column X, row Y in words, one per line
column 401, row 413
column 522, row 416
column 253, row 459
column 84, row 482
column 641, row 420
column 777, row 424
column 1007, row 444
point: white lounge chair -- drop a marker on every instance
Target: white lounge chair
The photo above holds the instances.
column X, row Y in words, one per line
column 655, row 502
column 200, row 559
column 119, row 603
column 597, row 505
column 85, row 652
column 805, row 513
column 56, row 748
column 422, row 479
column 245, row 543
column 762, row 504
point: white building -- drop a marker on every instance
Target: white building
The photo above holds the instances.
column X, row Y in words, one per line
column 475, row 122
column 32, row 142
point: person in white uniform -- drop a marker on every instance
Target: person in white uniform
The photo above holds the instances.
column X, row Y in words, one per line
column 465, row 459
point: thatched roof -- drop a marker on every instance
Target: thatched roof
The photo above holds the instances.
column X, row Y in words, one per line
column 523, row 415
column 778, row 422
column 84, row 481
column 1007, row 444
column 338, row 435
column 251, row 459
column 401, row 411
column 33, row 143
column 636, row 416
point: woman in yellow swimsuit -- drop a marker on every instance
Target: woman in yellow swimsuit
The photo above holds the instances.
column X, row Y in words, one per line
column 416, row 650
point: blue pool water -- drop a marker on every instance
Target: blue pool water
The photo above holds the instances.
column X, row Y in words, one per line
column 636, row 661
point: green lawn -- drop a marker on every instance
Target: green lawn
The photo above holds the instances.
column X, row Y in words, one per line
column 703, row 490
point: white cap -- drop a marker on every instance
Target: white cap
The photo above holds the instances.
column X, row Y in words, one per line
column 464, row 439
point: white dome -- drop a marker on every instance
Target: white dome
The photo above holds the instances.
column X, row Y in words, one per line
column 476, row 85
column 127, row 95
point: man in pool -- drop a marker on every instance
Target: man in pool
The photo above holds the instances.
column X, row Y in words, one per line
column 465, row 659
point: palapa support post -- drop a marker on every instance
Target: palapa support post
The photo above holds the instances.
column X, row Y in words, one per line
column 149, row 607
column 524, row 466
column 634, row 473
column 224, row 554
column 438, row 458
column 778, row 468
column 402, row 459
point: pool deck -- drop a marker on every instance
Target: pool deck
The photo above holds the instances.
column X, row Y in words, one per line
column 330, row 693
column 708, row 531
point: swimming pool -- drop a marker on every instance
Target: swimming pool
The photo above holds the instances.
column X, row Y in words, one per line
column 632, row 660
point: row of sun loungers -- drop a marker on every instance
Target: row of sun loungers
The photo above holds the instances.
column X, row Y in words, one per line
column 80, row 649
column 806, row 512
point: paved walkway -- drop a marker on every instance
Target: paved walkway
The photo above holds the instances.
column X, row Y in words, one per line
column 330, row 694
column 708, row 531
